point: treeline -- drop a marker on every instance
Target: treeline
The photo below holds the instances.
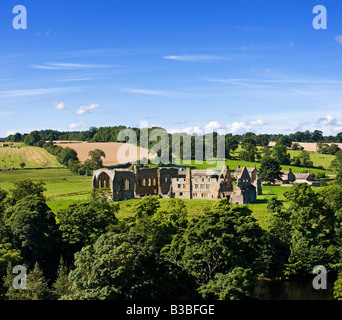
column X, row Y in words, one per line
column 85, row 253
column 110, row 134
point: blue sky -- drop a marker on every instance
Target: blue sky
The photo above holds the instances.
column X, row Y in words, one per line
column 185, row 65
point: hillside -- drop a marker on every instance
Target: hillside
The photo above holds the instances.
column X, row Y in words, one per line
column 33, row 157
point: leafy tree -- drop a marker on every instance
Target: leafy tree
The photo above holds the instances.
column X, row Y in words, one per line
column 66, row 155
column 34, row 232
column 22, row 165
column 338, row 287
column 120, row 267
column 95, row 161
column 337, row 162
column 218, row 241
column 269, row 170
column 146, row 207
column 280, row 154
column 237, row 284
column 82, row 223
column 231, row 144
column 338, row 179
column 36, row 286
column 249, row 152
column 249, row 138
column 304, row 158
column 25, row 188
column 284, row 141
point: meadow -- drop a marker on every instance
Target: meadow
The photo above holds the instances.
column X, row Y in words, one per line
column 58, row 182
column 33, row 157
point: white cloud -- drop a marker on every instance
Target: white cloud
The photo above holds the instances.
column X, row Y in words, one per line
column 86, row 109
column 59, row 105
column 193, row 130
column 257, row 123
column 69, row 66
column 328, row 120
column 34, row 92
column 238, row 128
column 338, row 38
column 195, row 58
column 212, row 126
column 75, row 125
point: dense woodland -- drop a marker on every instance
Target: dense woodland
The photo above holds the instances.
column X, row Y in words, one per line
column 85, row 253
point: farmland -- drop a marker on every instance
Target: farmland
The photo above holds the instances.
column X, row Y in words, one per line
column 111, row 149
column 33, row 157
column 64, row 187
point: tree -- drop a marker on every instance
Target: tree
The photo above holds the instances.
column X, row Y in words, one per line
column 231, row 144
column 24, row 188
column 146, row 207
column 121, row 267
column 62, row 285
column 218, row 241
column 22, row 165
column 36, row 286
column 249, row 152
column 338, row 287
column 8, row 256
column 82, row 223
column 280, row 154
column 338, row 179
column 304, row 158
column 269, row 170
column 95, row 159
column 337, row 162
column 284, row 141
column 34, row 232
column 237, row 284
column 66, row 155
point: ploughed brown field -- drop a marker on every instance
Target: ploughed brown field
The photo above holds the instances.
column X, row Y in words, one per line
column 116, row 152
column 308, row 146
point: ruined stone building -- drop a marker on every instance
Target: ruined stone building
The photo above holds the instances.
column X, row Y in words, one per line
column 174, row 183
column 244, row 192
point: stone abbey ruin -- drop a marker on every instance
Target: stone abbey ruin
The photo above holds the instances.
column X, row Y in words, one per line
column 176, row 183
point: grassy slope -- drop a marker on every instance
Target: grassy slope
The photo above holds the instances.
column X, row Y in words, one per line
column 33, row 157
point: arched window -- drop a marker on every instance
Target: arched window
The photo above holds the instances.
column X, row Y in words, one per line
column 104, row 180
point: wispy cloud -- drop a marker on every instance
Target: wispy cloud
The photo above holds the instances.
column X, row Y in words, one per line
column 247, row 82
column 70, row 66
column 338, row 38
column 153, row 92
column 79, row 79
column 35, row 92
column 76, row 125
column 195, row 58
column 86, row 109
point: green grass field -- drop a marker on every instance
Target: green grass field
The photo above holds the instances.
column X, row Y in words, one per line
column 58, row 181
column 33, row 157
